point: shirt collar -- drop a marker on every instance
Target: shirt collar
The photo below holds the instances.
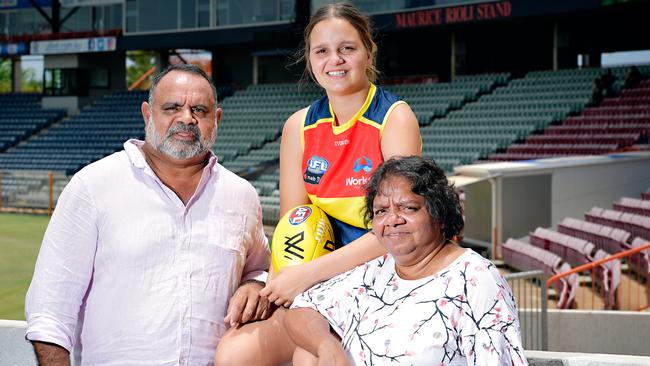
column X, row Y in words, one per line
column 132, row 149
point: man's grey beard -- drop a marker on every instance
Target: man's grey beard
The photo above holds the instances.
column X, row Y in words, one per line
column 179, row 149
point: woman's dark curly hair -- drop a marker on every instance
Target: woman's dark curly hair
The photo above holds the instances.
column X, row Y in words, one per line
column 427, row 180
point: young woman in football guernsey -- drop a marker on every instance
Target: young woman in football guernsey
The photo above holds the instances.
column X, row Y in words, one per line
column 330, row 149
column 328, row 152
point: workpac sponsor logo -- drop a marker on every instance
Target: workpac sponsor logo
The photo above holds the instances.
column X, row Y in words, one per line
column 299, row 215
column 316, row 167
column 356, row 182
column 362, row 163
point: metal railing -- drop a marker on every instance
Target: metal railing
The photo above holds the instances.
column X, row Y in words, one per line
column 530, row 294
column 30, row 190
column 627, row 297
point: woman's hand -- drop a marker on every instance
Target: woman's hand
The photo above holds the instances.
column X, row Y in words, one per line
column 287, row 284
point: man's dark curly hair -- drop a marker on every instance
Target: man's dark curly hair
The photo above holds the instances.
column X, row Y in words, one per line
column 427, row 180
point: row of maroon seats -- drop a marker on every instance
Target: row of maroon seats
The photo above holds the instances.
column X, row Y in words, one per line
column 626, row 101
column 577, row 242
column 633, row 205
column 643, row 90
column 636, row 225
column 619, row 139
column 611, row 240
column 577, row 252
column 641, row 129
column 525, row 257
column 639, row 118
column 562, row 149
column 615, row 110
column 621, row 122
column 646, row 195
column 516, row 156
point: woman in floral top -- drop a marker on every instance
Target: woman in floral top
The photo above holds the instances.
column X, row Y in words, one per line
column 427, row 302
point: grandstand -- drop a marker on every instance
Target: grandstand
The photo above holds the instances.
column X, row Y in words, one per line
column 578, row 242
column 552, row 180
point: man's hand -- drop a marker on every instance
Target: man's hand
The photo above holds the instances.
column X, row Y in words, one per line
column 50, row 354
column 247, row 305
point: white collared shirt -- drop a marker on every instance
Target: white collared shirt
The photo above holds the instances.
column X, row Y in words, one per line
column 129, row 275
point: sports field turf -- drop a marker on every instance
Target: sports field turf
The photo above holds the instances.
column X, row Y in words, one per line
column 20, row 239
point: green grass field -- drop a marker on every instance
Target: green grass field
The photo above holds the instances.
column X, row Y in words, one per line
column 20, row 239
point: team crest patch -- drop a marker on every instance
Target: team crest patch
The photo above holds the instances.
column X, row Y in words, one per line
column 316, row 168
column 365, row 165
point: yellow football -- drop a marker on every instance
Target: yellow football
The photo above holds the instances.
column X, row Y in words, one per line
column 302, row 234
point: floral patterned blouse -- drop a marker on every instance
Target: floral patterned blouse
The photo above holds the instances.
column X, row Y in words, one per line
column 462, row 315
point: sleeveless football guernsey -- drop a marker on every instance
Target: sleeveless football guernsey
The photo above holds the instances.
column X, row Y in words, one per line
column 338, row 160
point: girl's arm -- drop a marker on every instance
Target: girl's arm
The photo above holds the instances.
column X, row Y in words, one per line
column 401, row 136
column 292, row 187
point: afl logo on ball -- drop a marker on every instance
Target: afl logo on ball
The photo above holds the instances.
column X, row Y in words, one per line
column 299, row 215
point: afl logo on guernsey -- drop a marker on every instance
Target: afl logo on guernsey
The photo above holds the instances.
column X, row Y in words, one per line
column 316, row 167
column 365, row 165
column 299, row 215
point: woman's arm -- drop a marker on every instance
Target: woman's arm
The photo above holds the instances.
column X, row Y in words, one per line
column 310, row 331
column 401, row 136
column 292, row 187
column 293, row 280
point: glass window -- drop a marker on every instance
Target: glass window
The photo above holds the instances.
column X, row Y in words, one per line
column 60, row 82
column 231, row 12
column 379, row 6
column 204, row 13
column 4, row 30
column 157, row 15
column 287, row 9
column 80, row 20
column 188, row 14
column 99, row 78
column 26, row 21
column 115, row 17
column 131, row 16
column 107, row 17
column 153, row 15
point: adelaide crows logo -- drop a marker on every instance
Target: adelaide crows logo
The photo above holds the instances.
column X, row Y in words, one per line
column 366, row 165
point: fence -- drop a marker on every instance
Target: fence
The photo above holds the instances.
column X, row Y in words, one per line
column 30, row 190
column 529, row 289
column 603, row 289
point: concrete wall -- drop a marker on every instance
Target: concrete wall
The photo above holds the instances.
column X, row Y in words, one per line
column 543, row 192
column 478, row 217
column 600, row 337
column 577, row 189
column 14, row 349
column 540, row 358
column 525, row 203
column 612, row 332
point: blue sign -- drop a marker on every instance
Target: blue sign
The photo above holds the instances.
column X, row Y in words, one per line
column 23, row 4
column 19, row 48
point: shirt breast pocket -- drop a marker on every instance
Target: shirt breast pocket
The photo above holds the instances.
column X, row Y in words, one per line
column 222, row 243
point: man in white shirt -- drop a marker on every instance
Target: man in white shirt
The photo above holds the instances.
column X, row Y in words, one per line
column 147, row 246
